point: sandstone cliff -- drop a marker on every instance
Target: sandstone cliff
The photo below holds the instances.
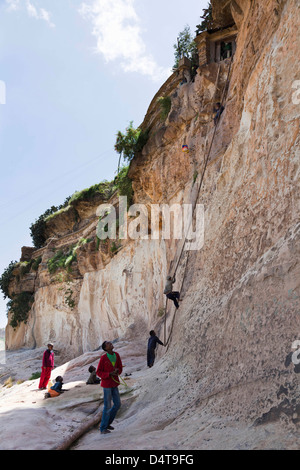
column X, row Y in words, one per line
column 229, row 353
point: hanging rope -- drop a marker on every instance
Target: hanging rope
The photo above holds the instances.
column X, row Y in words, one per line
column 224, row 95
column 121, row 381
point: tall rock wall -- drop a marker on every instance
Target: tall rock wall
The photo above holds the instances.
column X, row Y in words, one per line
column 240, row 315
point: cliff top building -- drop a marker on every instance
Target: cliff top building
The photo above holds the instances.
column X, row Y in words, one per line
column 216, row 45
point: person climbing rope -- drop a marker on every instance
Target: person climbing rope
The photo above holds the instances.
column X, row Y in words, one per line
column 152, row 342
column 172, row 295
column 168, row 288
column 218, row 110
column 109, row 368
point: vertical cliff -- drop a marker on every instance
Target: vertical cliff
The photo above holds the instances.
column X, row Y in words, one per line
column 240, row 315
column 229, row 350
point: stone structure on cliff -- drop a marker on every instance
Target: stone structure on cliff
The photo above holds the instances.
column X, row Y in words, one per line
column 230, row 351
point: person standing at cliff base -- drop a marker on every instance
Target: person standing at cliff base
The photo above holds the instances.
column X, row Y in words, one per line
column 47, row 366
column 152, row 342
column 109, row 368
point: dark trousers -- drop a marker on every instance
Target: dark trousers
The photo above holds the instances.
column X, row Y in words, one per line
column 150, row 357
column 174, row 296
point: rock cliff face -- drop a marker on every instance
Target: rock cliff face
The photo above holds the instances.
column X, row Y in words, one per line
column 229, row 349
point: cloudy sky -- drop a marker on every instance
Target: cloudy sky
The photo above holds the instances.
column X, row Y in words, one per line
column 73, row 73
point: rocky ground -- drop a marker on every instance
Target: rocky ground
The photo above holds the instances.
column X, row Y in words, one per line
column 30, row 422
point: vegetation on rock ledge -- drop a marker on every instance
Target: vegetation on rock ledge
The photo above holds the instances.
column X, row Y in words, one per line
column 64, row 260
column 207, row 20
column 19, row 307
column 185, row 47
column 129, row 144
column 165, row 106
column 6, row 278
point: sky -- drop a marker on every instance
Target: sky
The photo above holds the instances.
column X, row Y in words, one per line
column 72, row 74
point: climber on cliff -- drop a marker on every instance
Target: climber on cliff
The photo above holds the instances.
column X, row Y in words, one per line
column 218, row 110
column 152, row 342
column 172, row 295
column 109, row 368
column 47, row 366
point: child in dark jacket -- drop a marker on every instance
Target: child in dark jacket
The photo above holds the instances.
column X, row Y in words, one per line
column 93, row 379
column 56, row 389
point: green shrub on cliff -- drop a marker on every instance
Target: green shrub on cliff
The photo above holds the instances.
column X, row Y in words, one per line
column 165, row 106
column 64, row 260
column 124, row 185
column 19, row 307
column 104, row 189
column 70, row 302
column 61, row 260
column 6, row 278
column 35, row 263
column 207, row 20
column 37, row 229
column 19, row 304
column 25, row 267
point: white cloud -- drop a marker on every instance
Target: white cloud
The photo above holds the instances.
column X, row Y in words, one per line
column 13, row 4
column 45, row 15
column 117, row 29
column 32, row 10
column 38, row 13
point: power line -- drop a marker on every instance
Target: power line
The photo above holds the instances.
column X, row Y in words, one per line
column 53, row 190
column 35, row 203
column 39, row 188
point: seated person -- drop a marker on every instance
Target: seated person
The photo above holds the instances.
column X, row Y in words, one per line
column 56, row 389
column 93, row 379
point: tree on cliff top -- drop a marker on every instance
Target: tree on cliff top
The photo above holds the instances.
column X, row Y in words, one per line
column 129, row 143
column 207, row 20
column 185, row 47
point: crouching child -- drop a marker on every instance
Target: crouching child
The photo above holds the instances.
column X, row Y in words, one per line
column 93, row 379
column 56, row 389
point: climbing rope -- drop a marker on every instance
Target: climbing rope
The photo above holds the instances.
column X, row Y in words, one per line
column 122, row 381
column 224, row 96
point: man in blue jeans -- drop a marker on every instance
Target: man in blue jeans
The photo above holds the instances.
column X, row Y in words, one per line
column 109, row 368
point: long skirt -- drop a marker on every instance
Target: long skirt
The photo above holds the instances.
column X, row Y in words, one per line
column 45, row 376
